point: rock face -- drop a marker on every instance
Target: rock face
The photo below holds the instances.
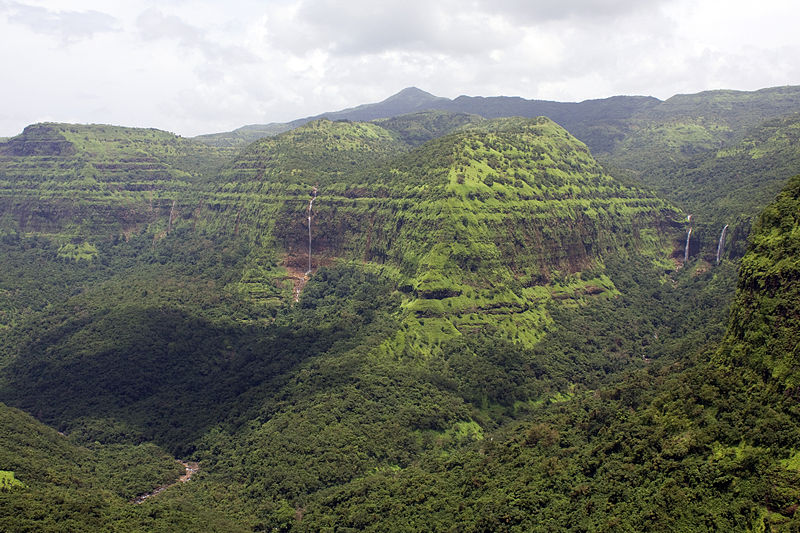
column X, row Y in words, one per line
column 473, row 224
column 38, row 140
column 476, row 226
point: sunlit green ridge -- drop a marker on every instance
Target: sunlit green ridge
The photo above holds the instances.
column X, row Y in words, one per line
column 495, row 334
column 473, row 225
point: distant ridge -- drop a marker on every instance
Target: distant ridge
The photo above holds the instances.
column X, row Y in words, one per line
column 600, row 123
column 571, row 115
column 409, row 100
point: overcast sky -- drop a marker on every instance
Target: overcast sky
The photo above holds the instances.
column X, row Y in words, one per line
column 195, row 67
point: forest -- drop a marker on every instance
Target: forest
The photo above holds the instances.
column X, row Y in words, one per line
column 581, row 322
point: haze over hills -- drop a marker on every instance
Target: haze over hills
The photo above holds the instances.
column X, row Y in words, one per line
column 403, row 316
column 600, row 123
column 412, row 99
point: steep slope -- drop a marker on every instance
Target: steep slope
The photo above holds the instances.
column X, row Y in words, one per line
column 59, row 485
column 448, row 282
column 765, row 322
column 729, row 184
column 96, row 179
column 708, row 442
column 456, row 221
column 480, row 227
column 697, row 150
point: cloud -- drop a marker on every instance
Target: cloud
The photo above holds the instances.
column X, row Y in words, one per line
column 452, row 27
column 367, row 28
column 588, row 11
column 196, row 66
column 153, row 25
column 67, row 26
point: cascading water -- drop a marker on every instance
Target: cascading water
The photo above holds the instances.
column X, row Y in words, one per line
column 686, row 251
column 310, row 205
column 171, row 215
column 721, row 242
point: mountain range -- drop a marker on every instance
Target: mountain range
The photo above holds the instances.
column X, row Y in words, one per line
column 478, row 314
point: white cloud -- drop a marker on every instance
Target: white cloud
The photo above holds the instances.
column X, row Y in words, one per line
column 197, row 66
column 368, row 28
column 153, row 25
column 67, row 26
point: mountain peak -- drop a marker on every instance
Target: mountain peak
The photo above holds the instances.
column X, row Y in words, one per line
column 412, row 93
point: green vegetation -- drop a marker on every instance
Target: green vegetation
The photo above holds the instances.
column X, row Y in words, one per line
column 720, row 155
column 8, row 481
column 763, row 327
column 55, row 483
column 495, row 334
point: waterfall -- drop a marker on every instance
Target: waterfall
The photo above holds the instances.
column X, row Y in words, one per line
column 686, row 251
column 171, row 215
column 721, row 242
column 310, row 205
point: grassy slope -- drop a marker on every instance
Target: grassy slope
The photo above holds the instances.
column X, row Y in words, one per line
column 463, row 223
column 81, row 182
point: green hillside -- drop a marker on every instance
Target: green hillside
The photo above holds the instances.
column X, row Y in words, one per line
column 764, row 323
column 462, row 224
column 688, row 149
column 54, row 483
column 462, row 227
column 417, row 128
column 433, row 321
column 79, row 181
column 706, row 443
column 722, row 183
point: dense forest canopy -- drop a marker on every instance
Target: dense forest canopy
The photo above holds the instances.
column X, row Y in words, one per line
column 510, row 322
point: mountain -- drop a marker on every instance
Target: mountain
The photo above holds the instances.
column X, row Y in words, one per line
column 721, row 182
column 409, row 100
column 682, row 148
column 582, row 117
column 452, row 224
column 459, row 211
column 436, row 269
column 706, row 444
column 433, row 321
column 52, row 173
column 688, row 120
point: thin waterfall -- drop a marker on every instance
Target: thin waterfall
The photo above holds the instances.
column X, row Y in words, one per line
column 686, row 251
column 721, row 242
column 171, row 215
column 310, row 205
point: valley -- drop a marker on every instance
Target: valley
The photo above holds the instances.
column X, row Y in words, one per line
column 474, row 314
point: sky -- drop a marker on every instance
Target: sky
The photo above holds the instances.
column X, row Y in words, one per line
column 194, row 66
